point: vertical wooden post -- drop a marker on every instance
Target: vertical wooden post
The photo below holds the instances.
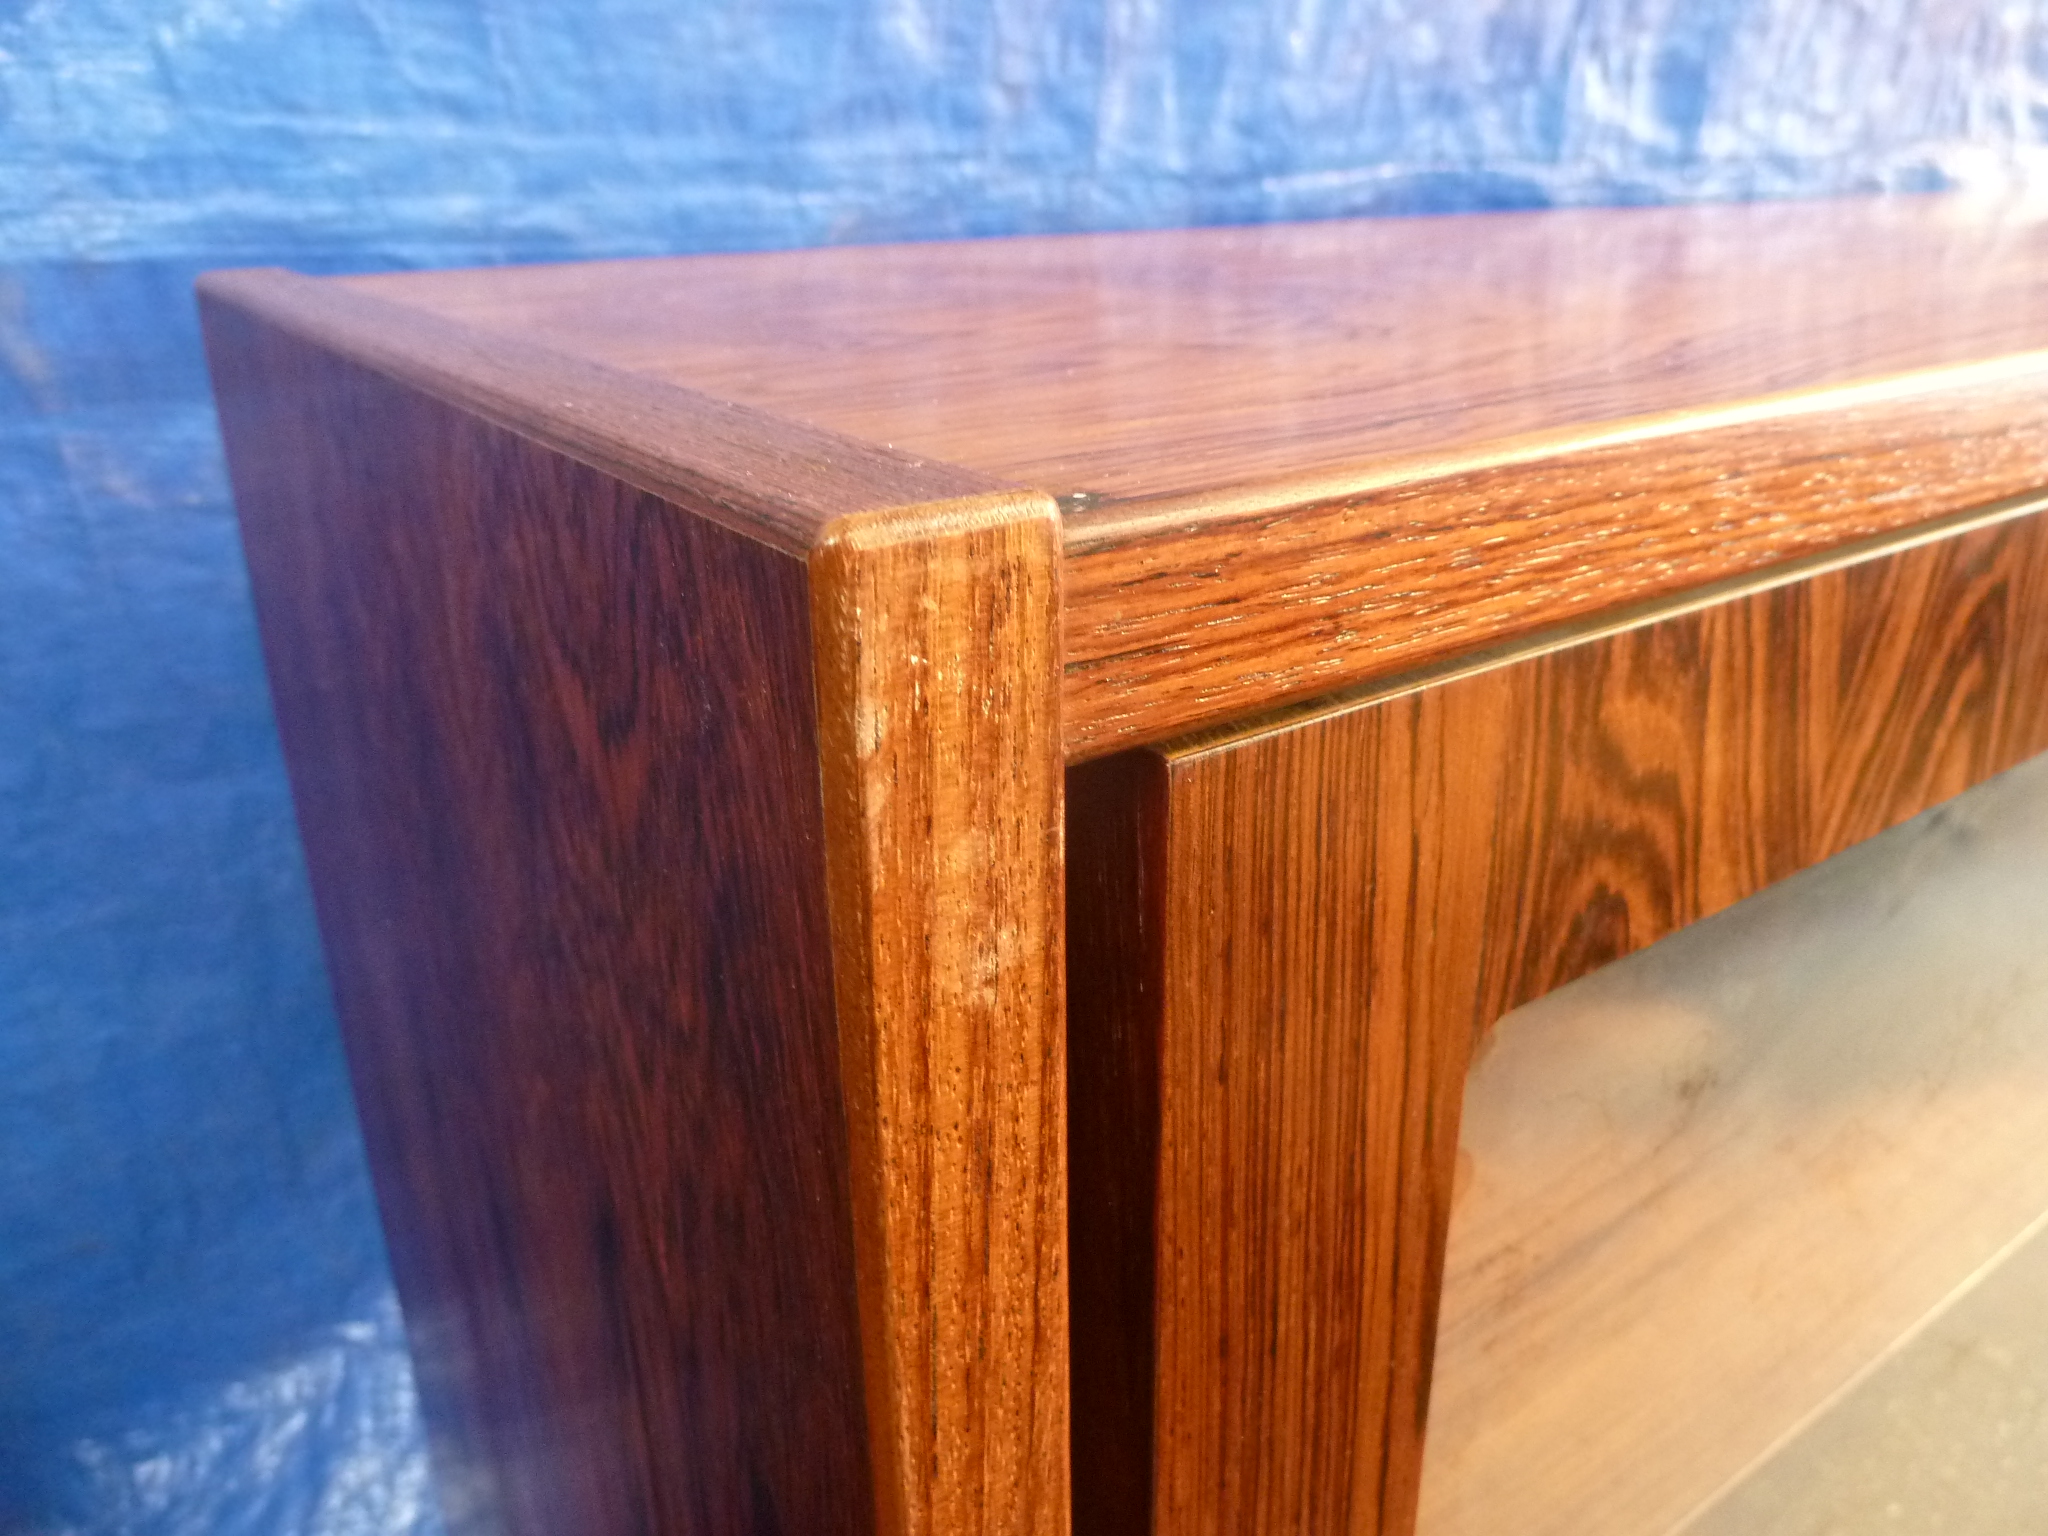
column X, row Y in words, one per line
column 938, row 698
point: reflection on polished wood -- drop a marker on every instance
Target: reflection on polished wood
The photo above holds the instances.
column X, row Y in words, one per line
column 1703, row 1190
column 1175, row 362
column 618, row 784
column 684, row 668
column 1307, row 457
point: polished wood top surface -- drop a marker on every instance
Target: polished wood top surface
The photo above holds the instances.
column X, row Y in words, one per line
column 1185, row 363
column 1292, row 460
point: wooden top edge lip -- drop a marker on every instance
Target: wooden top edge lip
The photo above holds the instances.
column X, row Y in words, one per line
column 784, row 483
column 1304, row 712
column 856, row 532
column 1091, row 524
column 1164, row 372
column 787, row 483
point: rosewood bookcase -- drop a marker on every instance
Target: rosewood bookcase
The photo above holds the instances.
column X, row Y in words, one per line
column 913, row 841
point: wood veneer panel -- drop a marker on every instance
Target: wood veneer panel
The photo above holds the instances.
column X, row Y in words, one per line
column 1349, row 898
column 556, row 776
column 1185, row 615
column 1349, row 483
column 682, row 796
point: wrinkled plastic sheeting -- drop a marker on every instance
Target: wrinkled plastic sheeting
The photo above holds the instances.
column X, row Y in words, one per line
column 196, row 1335
column 302, row 1446
column 432, row 129
column 195, row 1325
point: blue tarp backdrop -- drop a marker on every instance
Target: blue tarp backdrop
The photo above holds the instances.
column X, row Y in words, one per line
column 196, row 1330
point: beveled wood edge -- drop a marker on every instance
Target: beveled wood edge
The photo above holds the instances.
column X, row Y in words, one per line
column 1094, row 524
column 875, row 525
column 779, row 481
column 1305, row 712
column 936, row 635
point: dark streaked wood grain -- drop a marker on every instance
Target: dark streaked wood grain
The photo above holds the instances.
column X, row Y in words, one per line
column 771, row 479
column 1190, row 615
column 683, row 797
column 1301, row 458
column 553, row 746
column 1349, row 897
column 938, row 675
column 1347, row 457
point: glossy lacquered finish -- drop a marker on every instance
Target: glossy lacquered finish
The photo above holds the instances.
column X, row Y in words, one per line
column 1309, row 457
column 538, row 915
column 718, row 1126
column 1176, row 363
column 684, row 666
column 1332, row 909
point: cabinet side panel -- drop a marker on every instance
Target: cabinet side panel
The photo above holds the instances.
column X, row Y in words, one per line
column 1349, row 900
column 553, row 745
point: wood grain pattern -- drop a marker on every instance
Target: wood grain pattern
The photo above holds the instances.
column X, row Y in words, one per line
column 774, row 480
column 938, row 649
column 1301, row 458
column 1194, row 614
column 1349, row 898
column 1168, row 363
column 556, row 776
column 718, row 1202
column 1381, row 460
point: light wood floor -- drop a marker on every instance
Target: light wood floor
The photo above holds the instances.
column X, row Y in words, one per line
column 1749, row 1232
